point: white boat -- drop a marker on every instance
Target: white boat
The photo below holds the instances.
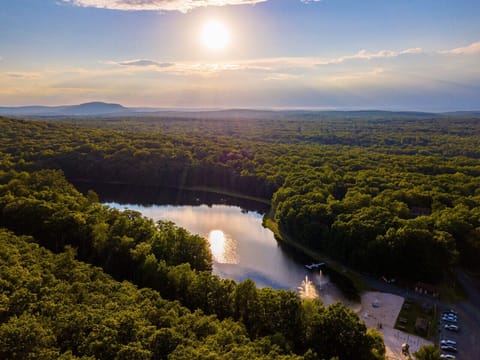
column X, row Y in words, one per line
column 314, row 266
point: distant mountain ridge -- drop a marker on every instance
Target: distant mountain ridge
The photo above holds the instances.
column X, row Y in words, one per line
column 98, row 108
column 86, row 109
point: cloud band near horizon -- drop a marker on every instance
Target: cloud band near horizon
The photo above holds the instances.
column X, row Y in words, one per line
column 158, row 5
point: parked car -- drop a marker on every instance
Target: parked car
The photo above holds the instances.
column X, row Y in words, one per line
column 448, row 348
column 448, row 342
column 448, row 312
column 452, row 327
column 449, row 319
column 447, row 356
column 450, row 315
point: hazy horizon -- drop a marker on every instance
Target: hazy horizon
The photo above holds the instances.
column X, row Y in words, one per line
column 259, row 108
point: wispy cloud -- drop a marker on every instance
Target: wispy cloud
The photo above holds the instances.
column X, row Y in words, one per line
column 23, row 75
column 365, row 55
column 142, row 81
column 466, row 50
column 279, row 68
column 282, row 77
column 158, row 5
column 182, row 68
column 143, row 62
column 357, row 76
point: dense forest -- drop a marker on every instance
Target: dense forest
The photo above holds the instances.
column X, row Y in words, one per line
column 53, row 306
column 395, row 196
column 369, row 192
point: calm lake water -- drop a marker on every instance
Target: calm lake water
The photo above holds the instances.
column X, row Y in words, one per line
column 242, row 248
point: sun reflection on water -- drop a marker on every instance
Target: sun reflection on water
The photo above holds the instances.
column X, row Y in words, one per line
column 223, row 247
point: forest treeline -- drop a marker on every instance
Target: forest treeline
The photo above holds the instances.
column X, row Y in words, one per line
column 375, row 194
column 53, row 306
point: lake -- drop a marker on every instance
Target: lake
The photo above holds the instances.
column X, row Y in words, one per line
column 241, row 247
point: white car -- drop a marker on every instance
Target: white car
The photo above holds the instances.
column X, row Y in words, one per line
column 448, row 348
column 449, row 319
column 448, row 313
column 450, row 316
column 447, row 356
column 448, row 342
column 452, row 327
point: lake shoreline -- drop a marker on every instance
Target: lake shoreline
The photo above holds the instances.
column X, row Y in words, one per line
column 349, row 284
column 342, row 275
column 207, row 189
column 113, row 191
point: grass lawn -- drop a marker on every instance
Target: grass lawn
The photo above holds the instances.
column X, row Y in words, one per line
column 411, row 311
column 452, row 291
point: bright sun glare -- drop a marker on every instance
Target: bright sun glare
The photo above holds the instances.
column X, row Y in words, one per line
column 223, row 247
column 215, row 35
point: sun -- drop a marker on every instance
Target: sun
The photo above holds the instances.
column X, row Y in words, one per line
column 215, row 35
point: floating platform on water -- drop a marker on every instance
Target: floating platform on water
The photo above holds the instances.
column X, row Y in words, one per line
column 315, row 266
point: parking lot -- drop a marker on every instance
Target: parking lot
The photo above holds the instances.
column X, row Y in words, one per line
column 450, row 318
column 468, row 346
column 468, row 338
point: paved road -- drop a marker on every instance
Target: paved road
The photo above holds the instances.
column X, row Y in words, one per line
column 468, row 338
column 380, row 285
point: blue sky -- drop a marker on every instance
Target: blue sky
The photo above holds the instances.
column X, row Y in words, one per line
column 346, row 54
